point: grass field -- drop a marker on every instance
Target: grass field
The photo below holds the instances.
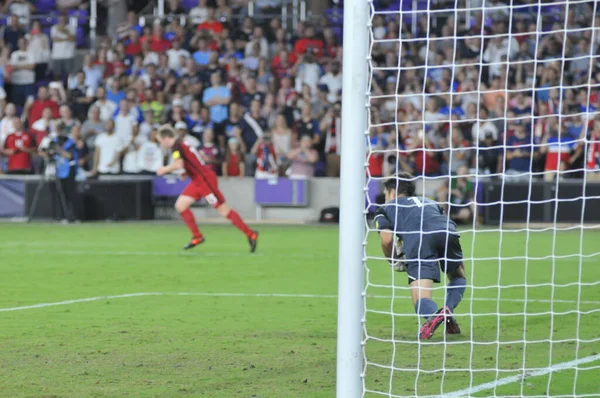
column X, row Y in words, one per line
column 210, row 323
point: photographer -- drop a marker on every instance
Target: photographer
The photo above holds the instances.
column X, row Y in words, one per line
column 61, row 154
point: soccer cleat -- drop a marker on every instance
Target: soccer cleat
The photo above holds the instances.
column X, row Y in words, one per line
column 432, row 324
column 253, row 241
column 193, row 243
column 451, row 324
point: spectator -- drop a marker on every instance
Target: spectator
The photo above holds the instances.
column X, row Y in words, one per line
column 42, row 102
column 115, row 94
column 217, row 97
column 490, row 159
column 560, row 149
column 233, row 166
column 81, row 97
column 43, row 126
column 253, row 128
column 23, row 73
column 483, row 128
column 92, row 127
column 251, row 93
column 518, row 152
column 307, row 71
column 266, row 159
column 20, row 8
column 66, row 117
column 211, row 25
column 39, row 47
column 457, row 199
column 593, row 159
column 12, row 33
column 258, row 41
column 107, row 108
column 63, row 48
column 131, row 152
column 150, row 157
column 83, row 152
column 282, row 140
column 231, row 127
column 425, row 159
column 182, row 130
column 210, row 151
column 199, row 14
column 307, row 126
column 460, row 152
column 125, row 122
column 309, row 44
column 177, row 55
column 107, row 155
column 303, row 159
column 331, row 127
column 8, row 122
column 333, row 81
column 19, row 146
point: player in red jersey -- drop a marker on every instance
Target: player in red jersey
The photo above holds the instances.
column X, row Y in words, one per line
column 204, row 184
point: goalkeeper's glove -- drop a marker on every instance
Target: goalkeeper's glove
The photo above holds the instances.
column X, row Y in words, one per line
column 398, row 260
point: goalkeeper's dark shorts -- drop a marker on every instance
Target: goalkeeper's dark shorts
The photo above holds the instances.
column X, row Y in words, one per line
column 439, row 252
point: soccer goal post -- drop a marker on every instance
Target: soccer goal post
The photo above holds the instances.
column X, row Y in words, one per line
column 494, row 106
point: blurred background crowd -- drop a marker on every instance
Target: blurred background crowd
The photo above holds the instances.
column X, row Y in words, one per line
column 482, row 90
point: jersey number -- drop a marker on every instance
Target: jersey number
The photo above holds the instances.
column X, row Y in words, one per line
column 416, row 201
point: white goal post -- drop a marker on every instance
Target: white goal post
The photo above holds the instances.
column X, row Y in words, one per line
column 497, row 101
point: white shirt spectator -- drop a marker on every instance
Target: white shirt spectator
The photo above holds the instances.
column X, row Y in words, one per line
column 124, row 125
column 22, row 76
column 39, row 46
column 130, row 160
column 199, row 15
column 109, row 147
column 43, row 125
column 107, row 109
column 480, row 130
column 496, row 53
column 175, row 57
column 22, row 11
column 334, row 84
column 64, row 49
column 308, row 74
column 151, row 58
column 150, row 157
column 263, row 48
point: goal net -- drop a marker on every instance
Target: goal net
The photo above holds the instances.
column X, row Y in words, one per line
column 493, row 107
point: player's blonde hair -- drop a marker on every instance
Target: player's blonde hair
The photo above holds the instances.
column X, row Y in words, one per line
column 165, row 131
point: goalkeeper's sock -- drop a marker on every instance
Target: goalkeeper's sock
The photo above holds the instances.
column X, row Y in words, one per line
column 426, row 308
column 190, row 221
column 237, row 221
column 456, row 289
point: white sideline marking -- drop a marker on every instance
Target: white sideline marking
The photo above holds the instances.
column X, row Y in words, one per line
column 522, row 376
column 273, row 295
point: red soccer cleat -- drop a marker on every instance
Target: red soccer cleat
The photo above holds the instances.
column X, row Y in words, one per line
column 434, row 322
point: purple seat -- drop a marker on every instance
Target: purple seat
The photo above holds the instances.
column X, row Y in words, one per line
column 189, row 4
column 81, row 37
column 45, row 6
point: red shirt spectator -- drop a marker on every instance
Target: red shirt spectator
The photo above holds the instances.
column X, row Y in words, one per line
column 19, row 146
column 134, row 45
column 159, row 44
column 426, row 162
column 309, row 43
column 283, row 63
column 43, row 102
column 211, row 23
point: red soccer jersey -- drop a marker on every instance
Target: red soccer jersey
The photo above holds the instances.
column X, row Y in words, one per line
column 192, row 161
column 19, row 160
column 38, row 106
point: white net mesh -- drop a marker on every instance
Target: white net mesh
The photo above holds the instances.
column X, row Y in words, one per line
column 493, row 106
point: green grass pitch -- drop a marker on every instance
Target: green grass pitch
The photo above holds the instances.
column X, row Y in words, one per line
column 252, row 344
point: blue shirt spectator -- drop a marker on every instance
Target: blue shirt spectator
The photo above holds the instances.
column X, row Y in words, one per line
column 201, row 57
column 518, row 151
column 217, row 99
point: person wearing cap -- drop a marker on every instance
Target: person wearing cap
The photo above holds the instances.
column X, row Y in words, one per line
column 182, row 131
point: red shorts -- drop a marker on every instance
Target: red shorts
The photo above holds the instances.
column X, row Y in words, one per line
column 207, row 188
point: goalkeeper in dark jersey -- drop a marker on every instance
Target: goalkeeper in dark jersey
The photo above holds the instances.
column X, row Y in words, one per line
column 431, row 244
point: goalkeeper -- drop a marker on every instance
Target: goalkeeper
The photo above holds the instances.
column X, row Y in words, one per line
column 430, row 242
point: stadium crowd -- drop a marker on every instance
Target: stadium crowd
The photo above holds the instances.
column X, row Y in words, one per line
column 492, row 95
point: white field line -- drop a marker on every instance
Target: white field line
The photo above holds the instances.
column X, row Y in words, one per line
column 209, row 294
column 521, row 377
